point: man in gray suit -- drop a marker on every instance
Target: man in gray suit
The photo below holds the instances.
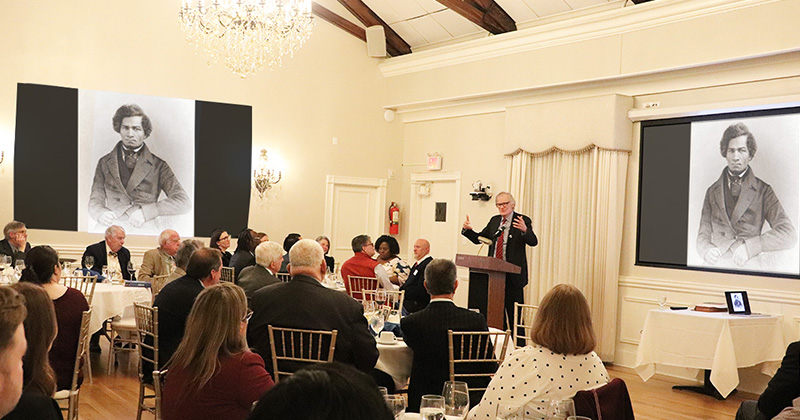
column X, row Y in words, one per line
column 129, row 180
column 269, row 256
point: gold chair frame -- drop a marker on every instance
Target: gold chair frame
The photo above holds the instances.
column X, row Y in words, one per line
column 470, row 347
column 147, row 325
column 72, row 395
column 523, row 321
column 298, row 345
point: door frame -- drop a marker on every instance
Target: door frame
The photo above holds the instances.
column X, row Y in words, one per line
column 332, row 181
column 418, row 179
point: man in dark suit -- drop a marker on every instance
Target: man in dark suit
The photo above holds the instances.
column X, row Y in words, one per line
column 15, row 244
column 781, row 390
column 509, row 232
column 109, row 252
column 288, row 243
column 425, row 332
column 417, row 296
column 269, row 256
column 175, row 300
column 305, row 303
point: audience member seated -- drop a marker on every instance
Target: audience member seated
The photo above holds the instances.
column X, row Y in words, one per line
column 185, row 251
column 361, row 264
column 15, row 244
column 288, row 243
column 42, row 268
column 416, row 296
column 327, row 391
column 111, row 253
column 221, row 240
column 245, row 252
column 39, row 380
column 262, row 237
column 305, row 303
column 425, row 332
column 176, row 299
column 12, row 348
column 388, row 250
column 269, row 256
column 160, row 261
column 325, row 243
column 781, row 390
column 213, row 375
column 560, row 362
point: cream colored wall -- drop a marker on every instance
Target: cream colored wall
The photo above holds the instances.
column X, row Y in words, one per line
column 705, row 58
column 329, row 89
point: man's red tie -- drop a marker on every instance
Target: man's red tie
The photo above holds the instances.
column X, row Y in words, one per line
column 498, row 246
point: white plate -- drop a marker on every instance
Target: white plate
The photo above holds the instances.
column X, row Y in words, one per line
column 387, row 343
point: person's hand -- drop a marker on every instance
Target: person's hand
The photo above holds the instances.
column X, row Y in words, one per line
column 137, row 218
column 740, row 255
column 467, row 225
column 519, row 223
column 712, row 256
column 106, row 218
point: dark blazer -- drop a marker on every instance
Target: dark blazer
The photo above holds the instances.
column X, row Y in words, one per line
column 305, row 303
column 515, row 248
column 784, row 386
column 425, row 332
column 33, row 405
column 417, row 296
column 174, row 303
column 240, row 260
column 98, row 251
column 254, row 278
column 7, row 249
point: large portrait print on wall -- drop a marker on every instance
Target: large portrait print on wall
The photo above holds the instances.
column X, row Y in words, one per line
column 744, row 184
column 137, row 160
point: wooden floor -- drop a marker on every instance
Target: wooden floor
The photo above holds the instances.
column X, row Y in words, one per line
column 114, row 397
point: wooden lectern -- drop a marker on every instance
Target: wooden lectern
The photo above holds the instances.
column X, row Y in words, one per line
column 495, row 291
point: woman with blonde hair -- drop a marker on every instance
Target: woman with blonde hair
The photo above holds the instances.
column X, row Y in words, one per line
column 560, row 362
column 212, row 374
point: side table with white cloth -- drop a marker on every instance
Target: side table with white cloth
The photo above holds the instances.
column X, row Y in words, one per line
column 717, row 342
column 111, row 300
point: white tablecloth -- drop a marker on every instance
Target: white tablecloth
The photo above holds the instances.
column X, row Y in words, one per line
column 395, row 359
column 111, row 299
column 715, row 341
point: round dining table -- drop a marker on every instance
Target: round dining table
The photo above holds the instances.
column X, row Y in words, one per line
column 111, row 300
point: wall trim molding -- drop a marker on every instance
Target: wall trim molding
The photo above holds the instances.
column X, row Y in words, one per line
column 764, row 295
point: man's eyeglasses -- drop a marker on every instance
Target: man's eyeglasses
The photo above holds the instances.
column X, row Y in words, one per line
column 248, row 316
column 224, row 238
column 502, row 204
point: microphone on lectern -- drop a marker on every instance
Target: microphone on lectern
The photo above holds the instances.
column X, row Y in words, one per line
column 484, row 241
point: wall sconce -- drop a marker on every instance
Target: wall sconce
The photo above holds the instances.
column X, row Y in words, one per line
column 264, row 177
column 480, row 191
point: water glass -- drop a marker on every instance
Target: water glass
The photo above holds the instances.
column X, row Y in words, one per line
column 560, row 410
column 397, row 405
column 431, row 407
column 19, row 265
column 510, row 411
column 456, row 399
column 376, row 322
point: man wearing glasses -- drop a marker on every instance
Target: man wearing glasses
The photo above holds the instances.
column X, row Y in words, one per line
column 509, row 232
column 362, row 264
column 15, row 244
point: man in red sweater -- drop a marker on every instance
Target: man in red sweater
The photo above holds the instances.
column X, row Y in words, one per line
column 362, row 264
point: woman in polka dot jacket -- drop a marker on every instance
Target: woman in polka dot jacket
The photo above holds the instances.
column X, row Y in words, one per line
column 560, row 362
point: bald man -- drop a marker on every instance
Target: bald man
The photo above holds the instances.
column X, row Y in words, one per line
column 160, row 261
column 417, row 296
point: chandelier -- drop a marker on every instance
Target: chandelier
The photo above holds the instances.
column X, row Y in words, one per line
column 264, row 177
column 247, row 35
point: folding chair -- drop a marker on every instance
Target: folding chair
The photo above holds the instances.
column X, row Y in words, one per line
column 355, row 284
column 158, row 384
column 523, row 323
column 474, row 359
column 72, row 395
column 157, row 284
column 284, row 277
column 147, row 325
column 292, row 348
column 227, row 274
column 610, row 402
column 85, row 284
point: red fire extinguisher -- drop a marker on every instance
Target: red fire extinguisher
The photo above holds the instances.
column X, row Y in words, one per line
column 394, row 219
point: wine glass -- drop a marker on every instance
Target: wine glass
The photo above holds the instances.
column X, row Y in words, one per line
column 397, row 405
column 431, row 407
column 5, row 262
column 380, row 298
column 88, row 262
column 376, row 322
column 19, row 265
column 456, row 399
column 560, row 410
column 131, row 269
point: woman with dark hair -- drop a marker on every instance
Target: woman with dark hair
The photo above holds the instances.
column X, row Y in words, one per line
column 387, row 250
column 42, row 268
column 221, row 240
column 560, row 362
column 39, row 380
column 326, row 391
column 325, row 243
column 245, row 251
column 213, row 375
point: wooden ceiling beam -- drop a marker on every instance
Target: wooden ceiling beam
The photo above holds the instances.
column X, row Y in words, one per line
column 485, row 13
column 338, row 21
column 395, row 45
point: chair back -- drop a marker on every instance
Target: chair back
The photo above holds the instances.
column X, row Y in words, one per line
column 73, row 394
column 395, row 299
column 158, row 385
column 473, row 357
column 85, row 284
column 355, row 284
column 293, row 348
column 227, row 274
column 610, row 402
column 284, row 277
column 157, row 284
column 523, row 323
column 147, row 325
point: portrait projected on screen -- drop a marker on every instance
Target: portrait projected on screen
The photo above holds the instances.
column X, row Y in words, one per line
column 743, row 194
column 136, row 163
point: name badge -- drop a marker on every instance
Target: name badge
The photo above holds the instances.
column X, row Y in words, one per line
column 415, row 272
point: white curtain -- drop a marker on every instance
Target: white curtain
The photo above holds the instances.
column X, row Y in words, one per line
column 575, row 200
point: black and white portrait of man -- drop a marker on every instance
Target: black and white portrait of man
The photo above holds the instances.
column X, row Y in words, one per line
column 141, row 153
column 744, row 193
